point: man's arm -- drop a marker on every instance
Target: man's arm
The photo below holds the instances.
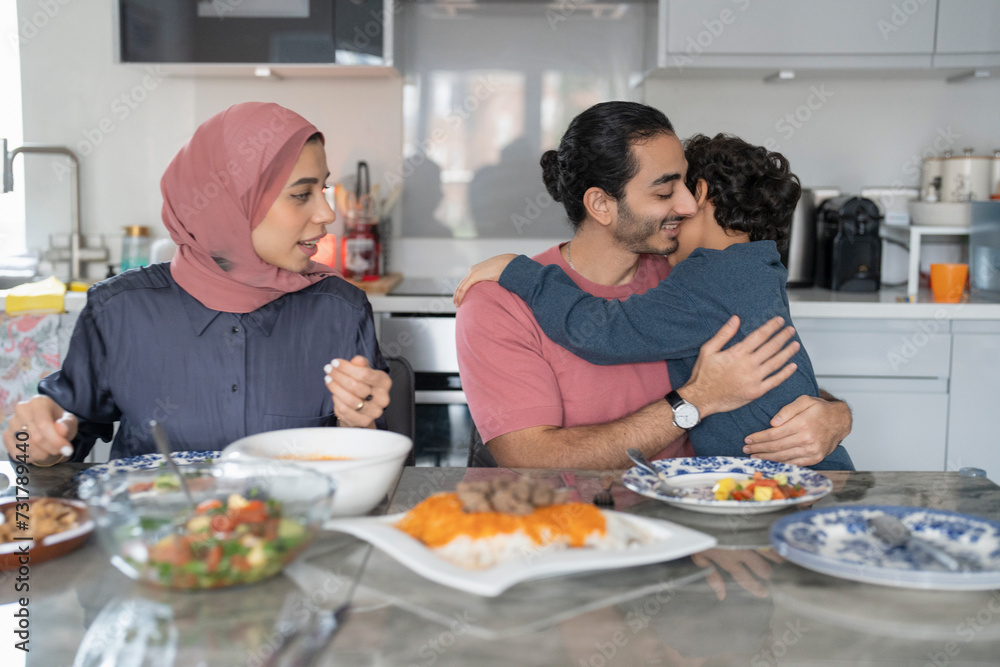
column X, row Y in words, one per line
column 722, row 380
column 803, row 432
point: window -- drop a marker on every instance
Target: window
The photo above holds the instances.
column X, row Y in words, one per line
column 480, row 107
column 12, row 240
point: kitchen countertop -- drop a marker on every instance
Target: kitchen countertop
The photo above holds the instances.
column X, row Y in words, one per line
column 433, row 296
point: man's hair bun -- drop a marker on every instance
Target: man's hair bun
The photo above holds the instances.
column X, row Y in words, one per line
column 551, row 174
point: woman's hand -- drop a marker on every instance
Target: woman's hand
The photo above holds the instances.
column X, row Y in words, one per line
column 803, row 433
column 49, row 429
column 360, row 393
column 489, row 269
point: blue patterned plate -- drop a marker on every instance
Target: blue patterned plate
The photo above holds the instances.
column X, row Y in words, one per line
column 835, row 541
column 145, row 462
column 700, row 473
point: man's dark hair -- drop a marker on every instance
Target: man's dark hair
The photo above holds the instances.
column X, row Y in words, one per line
column 596, row 151
column 752, row 189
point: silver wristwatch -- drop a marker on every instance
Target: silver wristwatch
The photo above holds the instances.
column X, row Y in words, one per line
column 686, row 416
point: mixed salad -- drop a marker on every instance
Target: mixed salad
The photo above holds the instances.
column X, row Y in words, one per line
column 225, row 542
column 758, row 489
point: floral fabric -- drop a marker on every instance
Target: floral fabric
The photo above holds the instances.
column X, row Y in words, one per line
column 29, row 350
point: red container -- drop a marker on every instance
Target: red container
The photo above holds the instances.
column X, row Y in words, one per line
column 362, row 251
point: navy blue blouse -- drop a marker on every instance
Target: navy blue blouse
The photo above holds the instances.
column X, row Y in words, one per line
column 145, row 349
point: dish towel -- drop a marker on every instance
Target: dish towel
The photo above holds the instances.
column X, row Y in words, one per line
column 29, row 350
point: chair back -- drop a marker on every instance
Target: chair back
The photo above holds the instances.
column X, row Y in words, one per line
column 400, row 416
column 479, row 454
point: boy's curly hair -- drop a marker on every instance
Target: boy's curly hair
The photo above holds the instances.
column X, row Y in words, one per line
column 752, row 188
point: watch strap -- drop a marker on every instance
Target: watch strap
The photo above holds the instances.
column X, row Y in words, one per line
column 674, row 399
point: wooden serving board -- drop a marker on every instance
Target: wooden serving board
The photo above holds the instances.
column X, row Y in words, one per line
column 383, row 285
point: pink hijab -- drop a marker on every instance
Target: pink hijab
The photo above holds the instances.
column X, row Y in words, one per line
column 217, row 189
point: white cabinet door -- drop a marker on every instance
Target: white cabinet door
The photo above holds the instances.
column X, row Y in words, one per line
column 974, row 417
column 894, row 375
column 968, row 34
column 898, row 424
column 856, row 32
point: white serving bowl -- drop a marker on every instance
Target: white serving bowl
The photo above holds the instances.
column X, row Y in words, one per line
column 372, row 460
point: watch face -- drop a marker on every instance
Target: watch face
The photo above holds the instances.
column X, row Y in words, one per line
column 686, row 415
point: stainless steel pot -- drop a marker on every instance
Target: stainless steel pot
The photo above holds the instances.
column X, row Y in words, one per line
column 799, row 257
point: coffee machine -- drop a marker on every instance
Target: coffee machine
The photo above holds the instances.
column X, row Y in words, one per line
column 848, row 245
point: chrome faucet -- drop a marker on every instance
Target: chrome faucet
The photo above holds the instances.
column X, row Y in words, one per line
column 77, row 254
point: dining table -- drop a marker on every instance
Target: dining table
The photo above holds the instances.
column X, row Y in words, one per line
column 738, row 603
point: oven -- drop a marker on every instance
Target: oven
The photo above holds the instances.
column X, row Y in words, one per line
column 443, row 421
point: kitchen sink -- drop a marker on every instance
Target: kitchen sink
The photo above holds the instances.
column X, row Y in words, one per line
column 8, row 281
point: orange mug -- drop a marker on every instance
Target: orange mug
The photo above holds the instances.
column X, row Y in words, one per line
column 948, row 282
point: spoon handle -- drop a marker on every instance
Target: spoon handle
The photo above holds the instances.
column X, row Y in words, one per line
column 934, row 552
column 160, row 438
column 662, row 485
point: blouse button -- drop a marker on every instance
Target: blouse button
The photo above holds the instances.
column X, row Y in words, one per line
column 235, row 387
column 236, row 330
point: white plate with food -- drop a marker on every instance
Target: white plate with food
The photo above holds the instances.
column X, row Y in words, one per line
column 700, row 478
column 487, row 552
column 837, row 541
column 145, row 462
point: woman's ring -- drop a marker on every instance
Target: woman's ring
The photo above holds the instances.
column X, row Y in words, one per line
column 368, row 398
column 360, row 406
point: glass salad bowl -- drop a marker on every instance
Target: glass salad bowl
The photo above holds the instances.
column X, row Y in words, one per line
column 249, row 519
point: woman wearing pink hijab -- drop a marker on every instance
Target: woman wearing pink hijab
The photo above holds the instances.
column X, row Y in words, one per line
column 240, row 333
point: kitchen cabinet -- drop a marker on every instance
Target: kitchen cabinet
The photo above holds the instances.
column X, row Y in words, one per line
column 894, row 375
column 267, row 38
column 793, row 34
column 968, row 34
column 897, row 425
column 974, row 411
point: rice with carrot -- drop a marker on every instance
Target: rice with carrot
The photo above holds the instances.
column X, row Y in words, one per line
column 488, row 537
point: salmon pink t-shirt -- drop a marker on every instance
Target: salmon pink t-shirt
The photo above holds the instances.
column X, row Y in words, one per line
column 515, row 377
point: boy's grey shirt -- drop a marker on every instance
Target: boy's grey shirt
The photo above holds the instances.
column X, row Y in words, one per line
column 672, row 321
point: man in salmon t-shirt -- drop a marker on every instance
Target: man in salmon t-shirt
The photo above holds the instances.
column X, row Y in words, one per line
column 619, row 172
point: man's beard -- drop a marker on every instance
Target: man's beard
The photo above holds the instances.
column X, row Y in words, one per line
column 633, row 232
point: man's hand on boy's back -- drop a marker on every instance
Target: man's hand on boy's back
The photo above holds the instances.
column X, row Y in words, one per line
column 803, row 432
column 726, row 379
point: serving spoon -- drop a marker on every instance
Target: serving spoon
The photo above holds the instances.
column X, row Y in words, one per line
column 662, row 486
column 163, row 446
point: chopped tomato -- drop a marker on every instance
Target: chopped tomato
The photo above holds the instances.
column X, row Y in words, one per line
column 208, row 505
column 213, row 558
column 221, row 523
column 254, row 511
column 139, row 487
column 171, row 550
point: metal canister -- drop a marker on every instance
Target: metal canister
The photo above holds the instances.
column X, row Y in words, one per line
column 966, row 178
